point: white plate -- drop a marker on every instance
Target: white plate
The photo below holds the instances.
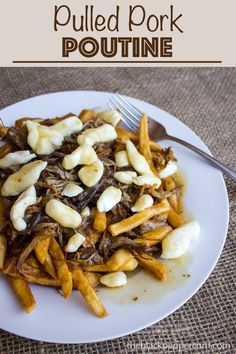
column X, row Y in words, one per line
column 57, row 320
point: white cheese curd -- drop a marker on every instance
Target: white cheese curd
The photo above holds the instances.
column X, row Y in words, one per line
column 74, row 243
column 85, row 213
column 177, row 242
column 91, row 174
column 108, row 199
column 68, row 126
column 111, row 117
column 83, row 155
column 25, row 177
column 102, row 134
column 43, row 140
column 71, row 189
column 63, row 214
column 16, row 158
column 121, row 159
column 27, row 198
column 137, row 160
column 145, row 201
column 169, row 170
column 113, row 280
column 125, row 177
column 149, row 180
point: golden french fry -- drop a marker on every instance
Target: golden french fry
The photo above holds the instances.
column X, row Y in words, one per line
column 123, row 135
column 5, row 149
column 63, row 273
column 87, row 114
column 144, row 143
column 32, row 261
column 174, row 219
column 158, row 268
column 119, row 258
column 20, row 122
column 3, row 251
column 41, row 250
column 170, row 186
column 93, row 278
column 97, row 268
column 138, row 218
column 128, row 266
column 81, row 282
column 49, row 266
column 23, row 292
column 157, row 234
column 145, row 242
column 100, row 222
column 3, row 131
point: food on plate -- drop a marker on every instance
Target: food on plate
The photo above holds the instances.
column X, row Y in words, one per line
column 84, row 202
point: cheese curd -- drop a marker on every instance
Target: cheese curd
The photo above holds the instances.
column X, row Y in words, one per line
column 145, row 201
column 121, row 159
column 16, row 158
column 25, row 177
column 177, row 242
column 27, row 198
column 169, row 170
column 74, row 243
column 63, row 214
column 91, row 174
column 83, row 155
column 113, row 280
column 68, row 126
column 102, row 134
column 111, row 117
column 137, row 160
column 45, row 140
column 108, row 199
column 85, row 213
column 71, row 189
column 149, row 180
column 125, row 177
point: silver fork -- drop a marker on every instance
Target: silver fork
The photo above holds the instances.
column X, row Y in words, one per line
column 131, row 117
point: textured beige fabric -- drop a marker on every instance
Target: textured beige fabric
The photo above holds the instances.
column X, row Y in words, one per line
column 204, row 99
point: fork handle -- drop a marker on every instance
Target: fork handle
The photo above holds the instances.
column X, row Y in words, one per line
column 228, row 171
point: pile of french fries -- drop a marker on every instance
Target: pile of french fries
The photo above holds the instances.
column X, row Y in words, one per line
column 47, row 264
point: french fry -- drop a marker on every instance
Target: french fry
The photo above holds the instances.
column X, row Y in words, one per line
column 3, row 251
column 41, row 250
column 49, row 266
column 157, row 234
column 145, row 242
column 5, row 149
column 93, row 278
column 129, row 264
column 170, row 186
column 144, row 143
column 100, row 222
column 20, row 122
column 23, row 292
column 3, row 131
column 158, row 268
column 32, row 261
column 119, row 258
column 87, row 114
column 124, row 135
column 63, row 273
column 81, row 282
column 174, row 219
column 97, row 268
column 138, row 218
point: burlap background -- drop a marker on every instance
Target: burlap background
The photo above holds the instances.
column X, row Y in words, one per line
column 203, row 98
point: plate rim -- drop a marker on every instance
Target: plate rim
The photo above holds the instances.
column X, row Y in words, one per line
column 203, row 280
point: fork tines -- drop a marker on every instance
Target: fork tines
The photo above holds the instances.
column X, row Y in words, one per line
column 130, row 114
